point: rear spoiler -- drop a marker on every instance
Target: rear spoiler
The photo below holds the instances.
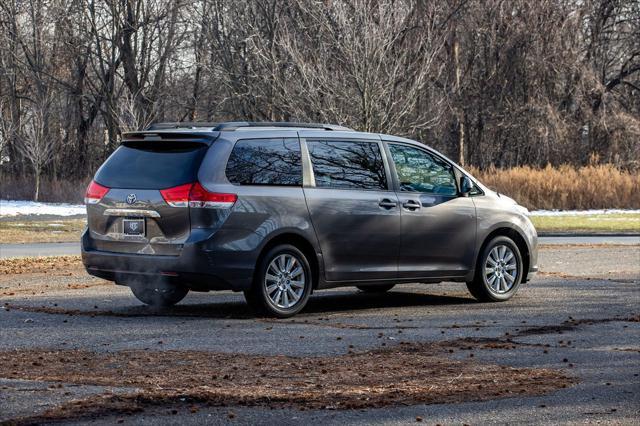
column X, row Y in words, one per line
column 205, row 138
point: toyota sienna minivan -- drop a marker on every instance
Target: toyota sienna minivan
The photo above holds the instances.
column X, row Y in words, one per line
column 279, row 210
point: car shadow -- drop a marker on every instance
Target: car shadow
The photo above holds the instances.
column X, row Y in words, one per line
column 319, row 303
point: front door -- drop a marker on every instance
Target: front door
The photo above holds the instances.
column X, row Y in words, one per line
column 438, row 226
column 355, row 213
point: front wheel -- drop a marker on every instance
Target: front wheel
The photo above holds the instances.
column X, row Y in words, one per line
column 157, row 293
column 498, row 271
column 282, row 283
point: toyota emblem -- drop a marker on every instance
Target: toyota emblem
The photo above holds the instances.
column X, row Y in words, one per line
column 131, row 198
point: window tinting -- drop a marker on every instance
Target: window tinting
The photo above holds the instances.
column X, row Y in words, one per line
column 151, row 166
column 265, row 162
column 419, row 171
column 339, row 164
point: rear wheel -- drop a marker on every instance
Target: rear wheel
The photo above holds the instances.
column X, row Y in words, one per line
column 375, row 288
column 282, row 283
column 498, row 271
column 157, row 293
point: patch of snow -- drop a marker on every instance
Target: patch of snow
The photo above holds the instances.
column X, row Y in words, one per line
column 581, row 212
column 18, row 208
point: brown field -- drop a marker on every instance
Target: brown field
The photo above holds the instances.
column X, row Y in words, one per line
column 566, row 187
column 41, row 231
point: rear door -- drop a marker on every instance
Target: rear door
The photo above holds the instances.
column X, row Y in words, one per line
column 134, row 216
column 353, row 209
column 438, row 225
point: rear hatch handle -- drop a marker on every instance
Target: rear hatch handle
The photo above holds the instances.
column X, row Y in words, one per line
column 131, row 212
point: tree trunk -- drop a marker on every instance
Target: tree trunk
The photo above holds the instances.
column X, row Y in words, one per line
column 459, row 112
column 37, row 194
column 461, row 153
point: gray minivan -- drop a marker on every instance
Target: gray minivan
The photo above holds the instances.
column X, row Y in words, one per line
column 278, row 210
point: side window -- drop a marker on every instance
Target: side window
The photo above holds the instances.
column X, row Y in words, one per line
column 475, row 191
column 265, row 162
column 347, row 165
column 419, row 171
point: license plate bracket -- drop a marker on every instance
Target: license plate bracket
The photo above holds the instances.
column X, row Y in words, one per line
column 133, row 227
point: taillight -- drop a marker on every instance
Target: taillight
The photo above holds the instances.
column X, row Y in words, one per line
column 95, row 192
column 194, row 195
column 178, row 196
column 201, row 198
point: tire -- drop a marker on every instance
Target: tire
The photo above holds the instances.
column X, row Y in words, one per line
column 497, row 285
column 157, row 293
column 375, row 288
column 282, row 283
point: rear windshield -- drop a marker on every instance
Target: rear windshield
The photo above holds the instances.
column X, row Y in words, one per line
column 151, row 167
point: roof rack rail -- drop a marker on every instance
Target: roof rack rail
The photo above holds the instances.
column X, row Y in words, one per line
column 235, row 125
column 180, row 125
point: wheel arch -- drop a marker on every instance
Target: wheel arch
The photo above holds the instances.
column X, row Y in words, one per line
column 298, row 241
column 519, row 240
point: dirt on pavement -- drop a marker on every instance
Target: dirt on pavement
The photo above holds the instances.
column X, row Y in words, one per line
column 406, row 374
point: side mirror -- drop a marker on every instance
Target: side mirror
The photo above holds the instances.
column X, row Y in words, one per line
column 465, row 186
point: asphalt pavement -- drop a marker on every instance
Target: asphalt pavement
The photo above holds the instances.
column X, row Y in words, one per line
column 580, row 317
column 39, row 249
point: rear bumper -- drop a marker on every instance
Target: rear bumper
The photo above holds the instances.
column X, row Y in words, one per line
column 196, row 267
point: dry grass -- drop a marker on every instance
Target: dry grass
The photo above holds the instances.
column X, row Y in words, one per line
column 590, row 223
column 602, row 186
column 36, row 231
column 566, row 187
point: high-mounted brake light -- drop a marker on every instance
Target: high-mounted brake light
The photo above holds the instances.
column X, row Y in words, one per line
column 196, row 196
column 95, row 192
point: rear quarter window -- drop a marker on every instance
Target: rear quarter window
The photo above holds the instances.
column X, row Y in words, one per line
column 274, row 161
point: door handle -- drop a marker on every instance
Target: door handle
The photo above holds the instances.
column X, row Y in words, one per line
column 387, row 203
column 411, row 205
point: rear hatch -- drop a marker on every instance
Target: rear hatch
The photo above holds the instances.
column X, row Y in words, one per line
column 139, row 199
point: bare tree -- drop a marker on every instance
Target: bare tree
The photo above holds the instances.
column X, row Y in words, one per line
column 6, row 134
column 371, row 65
column 35, row 141
column 489, row 82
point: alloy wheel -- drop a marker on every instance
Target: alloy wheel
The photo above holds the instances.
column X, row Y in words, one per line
column 285, row 281
column 501, row 269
